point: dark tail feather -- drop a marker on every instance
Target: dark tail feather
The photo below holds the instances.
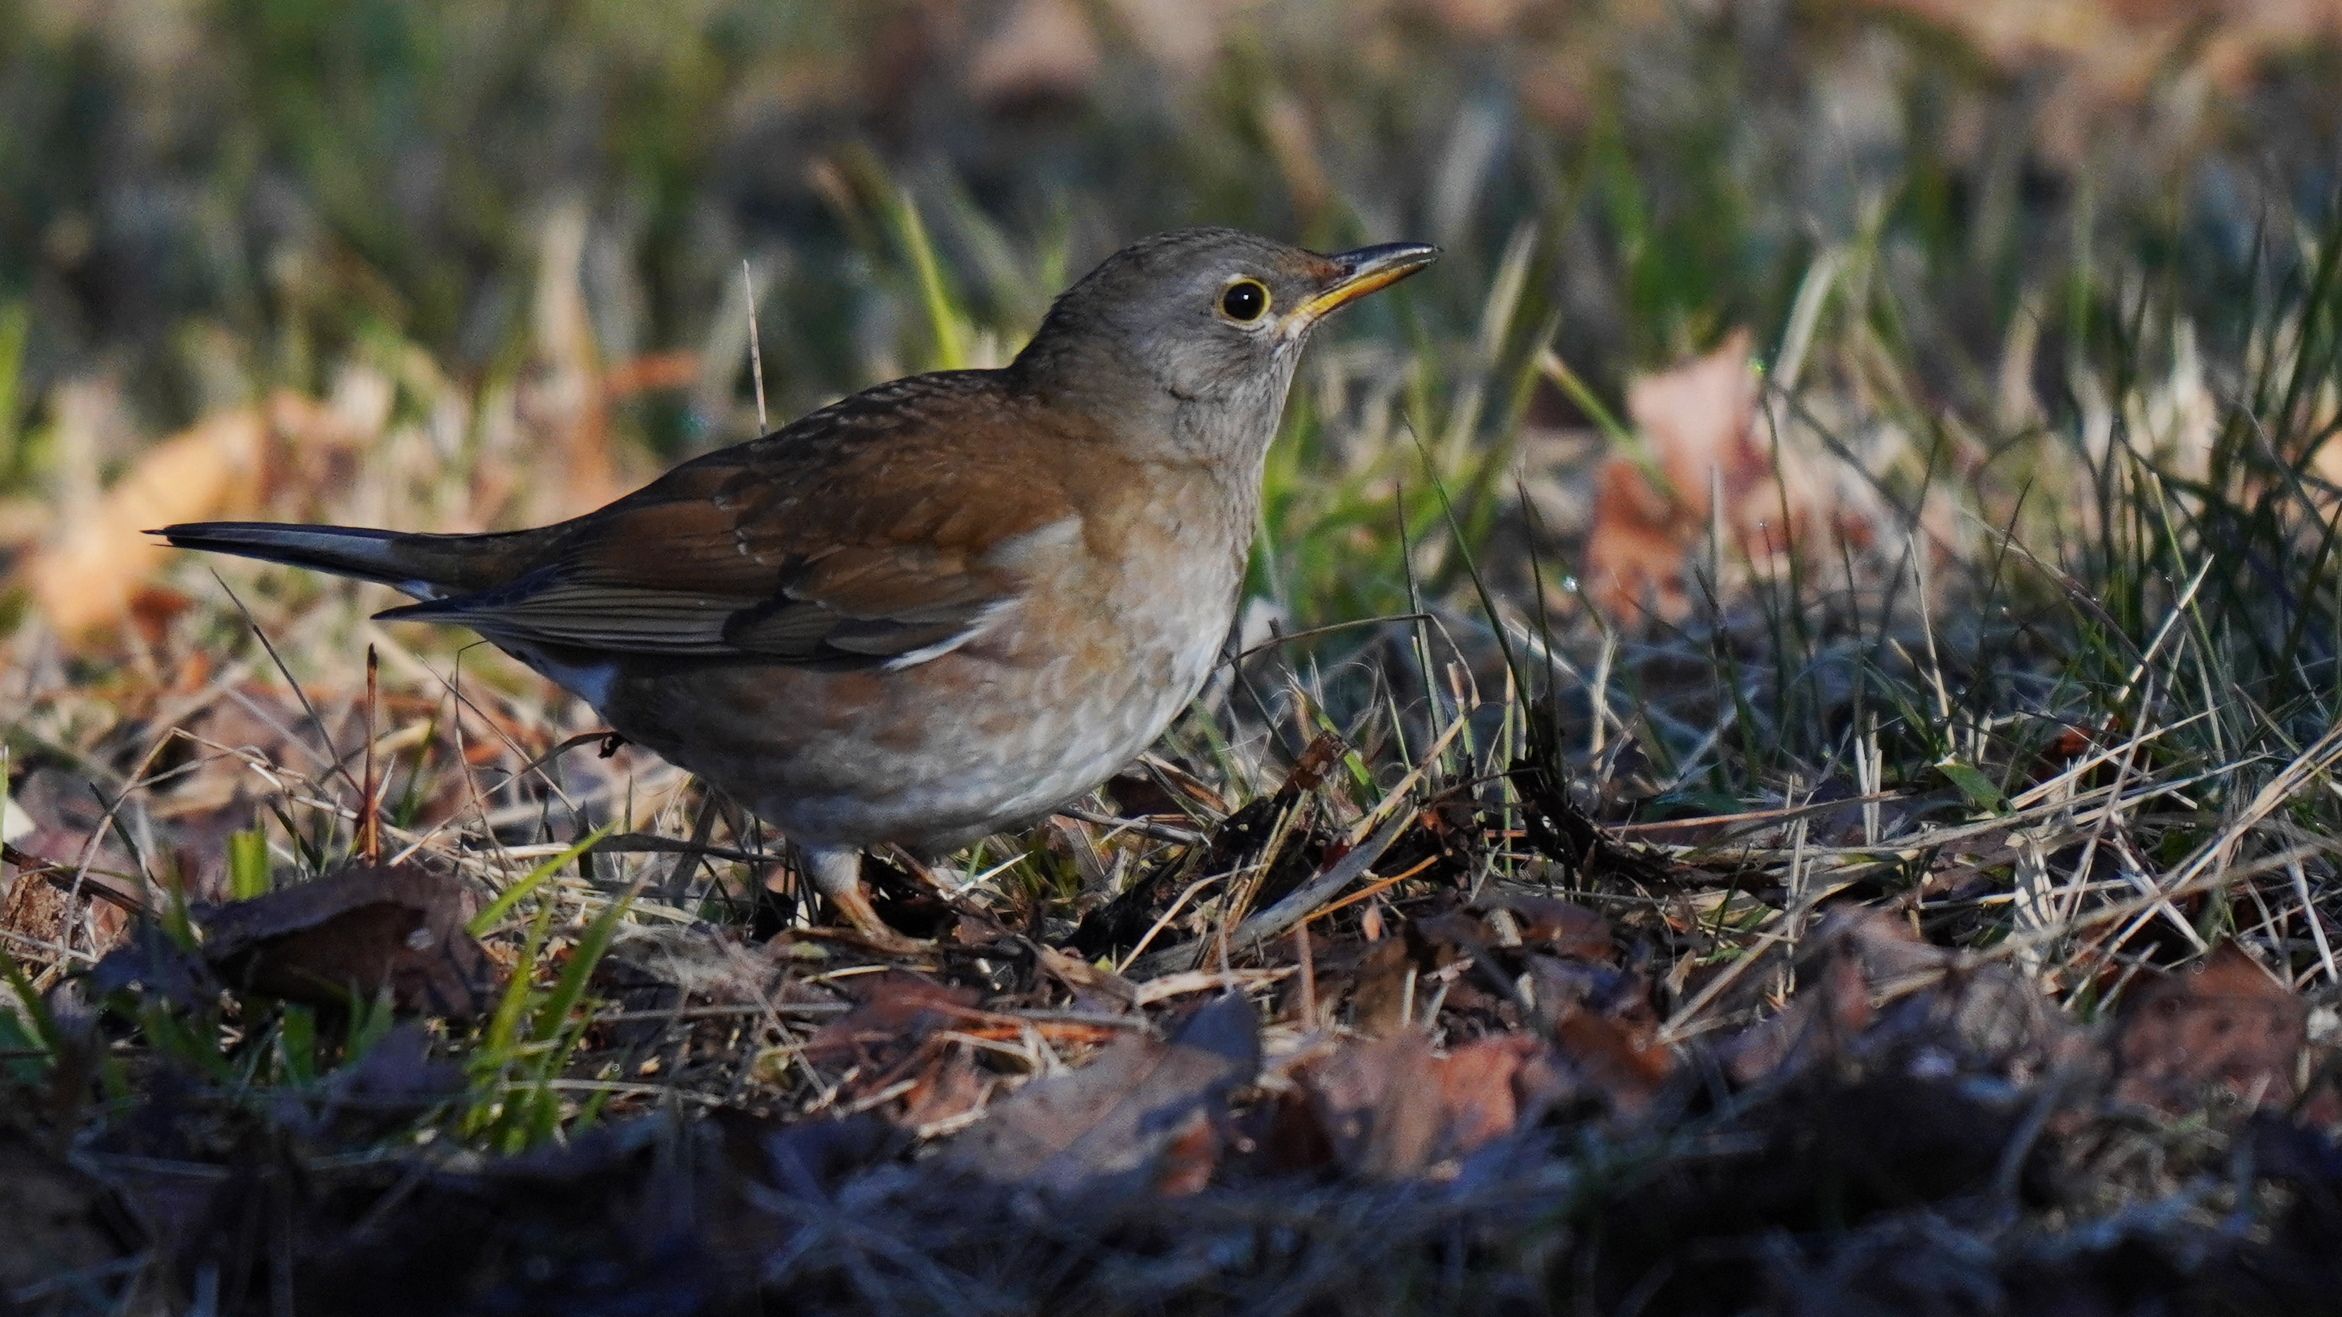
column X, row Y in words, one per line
column 424, row 566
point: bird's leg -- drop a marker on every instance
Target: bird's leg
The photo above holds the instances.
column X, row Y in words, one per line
column 837, row 875
column 947, row 881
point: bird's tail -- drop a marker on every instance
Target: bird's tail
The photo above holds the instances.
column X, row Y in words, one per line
column 424, row 566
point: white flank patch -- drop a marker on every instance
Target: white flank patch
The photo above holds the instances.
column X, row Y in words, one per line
column 592, row 682
column 983, row 622
column 1022, row 550
column 14, row 826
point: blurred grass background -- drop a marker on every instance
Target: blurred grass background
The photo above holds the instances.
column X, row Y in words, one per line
column 200, row 202
column 2059, row 269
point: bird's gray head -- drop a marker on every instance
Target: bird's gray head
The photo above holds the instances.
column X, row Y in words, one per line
column 1186, row 341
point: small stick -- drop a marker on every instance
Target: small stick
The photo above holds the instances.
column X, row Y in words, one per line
column 369, row 804
column 1304, row 953
column 1288, row 912
column 755, row 349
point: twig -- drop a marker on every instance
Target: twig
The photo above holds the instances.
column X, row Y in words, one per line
column 1143, row 827
column 755, row 348
column 1293, row 909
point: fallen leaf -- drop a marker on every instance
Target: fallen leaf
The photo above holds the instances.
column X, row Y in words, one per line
column 1832, row 1005
column 1036, row 51
column 396, row 1073
column 1614, row 1060
column 944, row 1091
column 896, row 1010
column 151, row 964
column 1381, row 988
column 2118, row 49
column 62, row 821
column 2226, row 1022
column 362, row 930
column 1183, row 36
column 88, row 575
column 1561, row 987
column 1494, row 1087
column 1698, row 421
column 1563, row 928
column 1866, row 979
column 1392, row 1108
column 1377, row 1107
column 37, row 919
column 74, row 880
column 1143, row 1117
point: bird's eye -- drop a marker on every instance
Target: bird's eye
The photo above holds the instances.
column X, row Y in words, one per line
column 1245, row 301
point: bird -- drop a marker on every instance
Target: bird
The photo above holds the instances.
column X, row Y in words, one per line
column 936, row 609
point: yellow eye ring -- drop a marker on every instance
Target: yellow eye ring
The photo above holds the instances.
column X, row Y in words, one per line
column 1245, row 301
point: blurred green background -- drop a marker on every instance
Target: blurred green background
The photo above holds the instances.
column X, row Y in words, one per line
column 520, row 230
column 201, row 198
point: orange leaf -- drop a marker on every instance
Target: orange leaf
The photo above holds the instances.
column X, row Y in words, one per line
column 87, row 576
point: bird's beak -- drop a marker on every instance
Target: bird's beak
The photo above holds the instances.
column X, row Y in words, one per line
column 1360, row 272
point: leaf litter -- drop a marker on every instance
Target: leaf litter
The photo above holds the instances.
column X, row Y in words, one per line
column 1413, row 1076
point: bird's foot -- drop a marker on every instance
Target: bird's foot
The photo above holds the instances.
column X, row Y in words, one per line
column 837, row 874
column 855, row 909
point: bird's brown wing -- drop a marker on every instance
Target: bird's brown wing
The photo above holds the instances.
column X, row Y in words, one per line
column 890, row 528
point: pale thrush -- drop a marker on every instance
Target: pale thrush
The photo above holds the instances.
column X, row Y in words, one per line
column 934, row 609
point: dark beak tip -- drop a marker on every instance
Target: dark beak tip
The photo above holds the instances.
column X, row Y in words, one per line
column 1387, row 254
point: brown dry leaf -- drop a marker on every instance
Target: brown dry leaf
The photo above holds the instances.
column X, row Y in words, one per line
column 2117, row 49
column 1699, row 420
column 1034, row 51
column 897, row 1009
column 1832, row 1005
column 1563, row 928
column 2224, row 1022
column 1394, row 1109
column 903, row 1045
column 87, row 577
column 75, row 880
column 1615, row 1059
column 1381, row 987
column 362, row 930
column 397, row 1074
column 36, row 920
column 1143, row 1117
column 944, row 1090
column 1377, row 1107
column 1494, row 1087
column 1867, row 976
column 1183, row 36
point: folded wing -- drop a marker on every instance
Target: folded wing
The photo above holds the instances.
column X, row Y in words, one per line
column 888, row 529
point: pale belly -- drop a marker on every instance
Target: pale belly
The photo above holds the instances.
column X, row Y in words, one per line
column 937, row 755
